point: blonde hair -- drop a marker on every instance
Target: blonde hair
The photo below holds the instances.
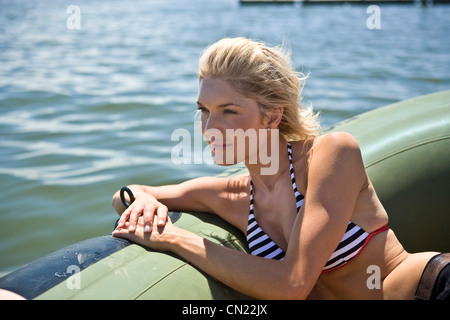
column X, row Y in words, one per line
column 265, row 75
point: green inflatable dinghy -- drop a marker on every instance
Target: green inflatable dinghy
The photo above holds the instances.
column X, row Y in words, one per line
column 406, row 149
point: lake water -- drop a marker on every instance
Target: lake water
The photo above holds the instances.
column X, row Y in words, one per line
column 85, row 111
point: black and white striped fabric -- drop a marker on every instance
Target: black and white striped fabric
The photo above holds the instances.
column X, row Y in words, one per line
column 352, row 242
column 261, row 245
column 258, row 241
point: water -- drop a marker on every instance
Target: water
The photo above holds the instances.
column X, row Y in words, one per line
column 86, row 111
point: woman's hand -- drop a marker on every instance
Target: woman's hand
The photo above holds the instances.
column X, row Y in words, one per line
column 147, row 207
column 157, row 238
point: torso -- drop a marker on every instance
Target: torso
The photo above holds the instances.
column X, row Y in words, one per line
column 399, row 271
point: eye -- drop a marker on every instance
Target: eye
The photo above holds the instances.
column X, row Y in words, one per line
column 228, row 111
column 202, row 109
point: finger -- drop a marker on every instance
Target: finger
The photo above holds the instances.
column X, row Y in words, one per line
column 120, row 232
column 162, row 213
column 124, row 234
column 137, row 236
column 124, row 217
column 148, row 215
column 134, row 216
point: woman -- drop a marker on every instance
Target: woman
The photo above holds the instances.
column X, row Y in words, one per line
column 314, row 226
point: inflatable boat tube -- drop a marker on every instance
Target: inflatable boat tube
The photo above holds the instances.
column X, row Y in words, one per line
column 406, row 149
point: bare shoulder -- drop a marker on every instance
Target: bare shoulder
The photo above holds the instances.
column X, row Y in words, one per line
column 337, row 155
column 340, row 148
column 336, row 142
column 327, row 144
column 222, row 186
column 234, row 193
column 227, row 197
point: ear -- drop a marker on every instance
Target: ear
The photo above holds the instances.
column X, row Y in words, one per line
column 274, row 116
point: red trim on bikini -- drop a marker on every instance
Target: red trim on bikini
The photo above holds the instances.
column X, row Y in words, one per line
column 379, row 230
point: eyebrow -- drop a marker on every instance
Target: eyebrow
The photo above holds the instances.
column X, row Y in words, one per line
column 222, row 105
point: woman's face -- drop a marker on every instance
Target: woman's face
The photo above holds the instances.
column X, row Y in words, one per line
column 228, row 120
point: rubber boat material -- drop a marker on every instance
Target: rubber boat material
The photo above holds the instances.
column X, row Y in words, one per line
column 406, row 150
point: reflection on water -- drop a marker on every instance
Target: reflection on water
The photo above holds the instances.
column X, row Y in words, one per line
column 86, row 111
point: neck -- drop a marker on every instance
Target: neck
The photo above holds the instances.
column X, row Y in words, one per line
column 267, row 174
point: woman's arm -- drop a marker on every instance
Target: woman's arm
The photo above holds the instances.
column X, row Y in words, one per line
column 205, row 194
column 335, row 177
column 254, row 276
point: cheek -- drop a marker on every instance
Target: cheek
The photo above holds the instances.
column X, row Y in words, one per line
column 203, row 120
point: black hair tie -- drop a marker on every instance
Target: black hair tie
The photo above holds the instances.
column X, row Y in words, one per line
column 130, row 195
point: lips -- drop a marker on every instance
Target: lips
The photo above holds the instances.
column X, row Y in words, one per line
column 220, row 146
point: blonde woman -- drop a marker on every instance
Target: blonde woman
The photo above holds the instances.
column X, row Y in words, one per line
column 314, row 226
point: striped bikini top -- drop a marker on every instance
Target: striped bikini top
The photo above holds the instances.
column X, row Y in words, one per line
column 260, row 244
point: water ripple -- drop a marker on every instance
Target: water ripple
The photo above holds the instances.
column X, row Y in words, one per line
column 83, row 112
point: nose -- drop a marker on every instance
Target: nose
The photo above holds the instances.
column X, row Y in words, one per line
column 212, row 129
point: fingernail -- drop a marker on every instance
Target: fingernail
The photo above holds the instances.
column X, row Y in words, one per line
column 130, row 228
column 161, row 221
column 147, row 228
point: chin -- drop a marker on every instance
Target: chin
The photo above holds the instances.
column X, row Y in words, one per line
column 220, row 159
column 224, row 164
